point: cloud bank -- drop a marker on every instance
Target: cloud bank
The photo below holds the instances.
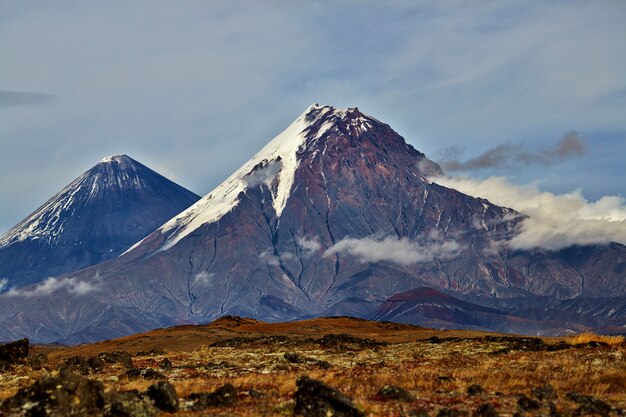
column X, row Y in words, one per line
column 555, row 221
column 399, row 251
column 52, row 285
column 510, row 154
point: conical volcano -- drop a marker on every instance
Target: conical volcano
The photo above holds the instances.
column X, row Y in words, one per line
column 335, row 216
column 96, row 217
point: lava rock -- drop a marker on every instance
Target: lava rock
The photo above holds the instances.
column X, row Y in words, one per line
column 14, row 351
column 485, row 410
column 588, row 404
column 128, row 404
column 475, row 389
column 546, row 392
column 316, row 399
column 390, row 392
column 151, row 352
column 78, row 364
column 62, row 393
column 164, row 396
column 341, row 340
column 96, row 363
column 165, row 364
column 144, row 373
column 527, row 404
column 122, row 357
column 224, row 396
column 448, row 412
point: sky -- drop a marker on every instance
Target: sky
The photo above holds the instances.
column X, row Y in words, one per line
column 193, row 89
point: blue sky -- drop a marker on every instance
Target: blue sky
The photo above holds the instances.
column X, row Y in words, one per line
column 194, row 88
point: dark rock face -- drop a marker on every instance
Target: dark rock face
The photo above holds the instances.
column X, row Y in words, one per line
column 303, row 246
column 316, row 399
column 164, row 396
column 96, row 217
column 64, row 394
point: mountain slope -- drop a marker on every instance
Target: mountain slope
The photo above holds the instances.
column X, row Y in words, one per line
column 96, row 217
column 332, row 217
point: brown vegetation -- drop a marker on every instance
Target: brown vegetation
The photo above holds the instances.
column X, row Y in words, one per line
column 263, row 361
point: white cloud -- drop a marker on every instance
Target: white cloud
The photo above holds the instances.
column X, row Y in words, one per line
column 52, row 285
column 400, row 251
column 555, row 221
column 309, row 246
column 273, row 260
column 3, row 283
column 202, row 278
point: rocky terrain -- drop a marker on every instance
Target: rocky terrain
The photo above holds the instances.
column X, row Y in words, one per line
column 320, row 367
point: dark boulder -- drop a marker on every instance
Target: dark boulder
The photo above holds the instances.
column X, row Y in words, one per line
column 485, row 410
column 589, row 405
column 391, row 392
column 164, row 396
column 545, row 393
column 448, row 412
column 165, row 364
column 316, row 399
column 14, row 351
column 527, row 404
column 224, row 396
column 122, row 357
column 475, row 389
column 78, row 364
column 144, row 373
column 62, row 393
column 128, row 404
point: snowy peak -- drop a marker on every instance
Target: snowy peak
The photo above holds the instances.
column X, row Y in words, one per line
column 276, row 164
column 96, row 217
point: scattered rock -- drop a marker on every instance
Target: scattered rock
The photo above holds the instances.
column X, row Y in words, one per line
column 297, row 358
column 128, row 404
column 122, row 357
column 545, row 393
column 165, row 364
column 96, row 363
column 36, row 362
column 485, row 410
column 527, row 344
column 527, row 404
column 256, row 394
column 448, row 412
column 224, row 396
column 144, row 373
column 14, row 351
column 151, row 352
column 588, row 404
column 63, row 393
column 390, row 392
column 475, row 389
column 240, row 341
column 78, row 364
column 316, row 399
column 445, row 378
column 341, row 340
column 164, row 396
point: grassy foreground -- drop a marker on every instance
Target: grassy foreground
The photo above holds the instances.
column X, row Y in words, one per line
column 446, row 373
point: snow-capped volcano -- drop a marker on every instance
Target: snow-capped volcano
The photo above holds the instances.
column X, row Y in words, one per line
column 94, row 218
column 275, row 166
column 334, row 216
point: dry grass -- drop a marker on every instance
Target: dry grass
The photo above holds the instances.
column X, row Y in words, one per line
column 583, row 338
column 437, row 374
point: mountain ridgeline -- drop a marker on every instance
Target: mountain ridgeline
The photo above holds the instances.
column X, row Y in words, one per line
column 337, row 215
